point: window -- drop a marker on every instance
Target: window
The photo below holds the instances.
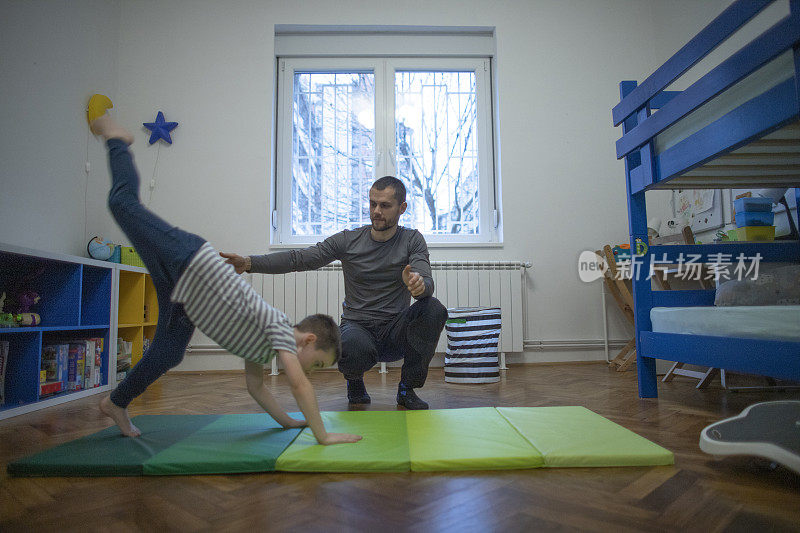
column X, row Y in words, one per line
column 342, row 123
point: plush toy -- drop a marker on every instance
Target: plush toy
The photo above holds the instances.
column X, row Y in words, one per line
column 99, row 249
column 7, row 320
column 25, row 301
column 28, row 319
column 18, row 309
column 16, row 306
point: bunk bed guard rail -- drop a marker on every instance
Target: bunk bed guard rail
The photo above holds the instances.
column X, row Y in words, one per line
column 774, row 108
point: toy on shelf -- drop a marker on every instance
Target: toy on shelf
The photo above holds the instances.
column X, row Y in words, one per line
column 131, row 257
column 722, row 236
column 28, row 319
column 6, row 319
column 22, row 313
column 17, row 311
column 26, row 300
column 622, row 252
column 97, row 248
column 754, row 219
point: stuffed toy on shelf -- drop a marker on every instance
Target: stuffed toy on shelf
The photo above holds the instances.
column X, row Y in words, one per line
column 17, row 311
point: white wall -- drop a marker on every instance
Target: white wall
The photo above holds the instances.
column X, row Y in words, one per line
column 54, row 55
column 210, row 66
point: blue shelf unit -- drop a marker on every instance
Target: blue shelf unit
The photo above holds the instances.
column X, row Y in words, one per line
column 75, row 304
column 647, row 110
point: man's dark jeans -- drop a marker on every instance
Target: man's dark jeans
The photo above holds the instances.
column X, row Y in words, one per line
column 412, row 336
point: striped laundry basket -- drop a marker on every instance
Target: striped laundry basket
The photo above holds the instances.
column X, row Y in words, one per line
column 472, row 337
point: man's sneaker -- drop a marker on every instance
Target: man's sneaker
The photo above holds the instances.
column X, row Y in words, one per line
column 409, row 399
column 357, row 392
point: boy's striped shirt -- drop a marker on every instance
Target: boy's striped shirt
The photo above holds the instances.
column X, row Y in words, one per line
column 226, row 308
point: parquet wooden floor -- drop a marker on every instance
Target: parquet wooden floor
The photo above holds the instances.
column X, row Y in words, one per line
column 698, row 494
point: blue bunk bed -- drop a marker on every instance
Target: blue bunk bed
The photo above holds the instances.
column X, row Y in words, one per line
column 736, row 127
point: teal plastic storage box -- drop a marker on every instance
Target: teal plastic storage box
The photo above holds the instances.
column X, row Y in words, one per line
column 754, row 218
column 742, row 205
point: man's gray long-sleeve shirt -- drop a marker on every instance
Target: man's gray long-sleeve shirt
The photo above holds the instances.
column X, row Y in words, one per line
column 373, row 280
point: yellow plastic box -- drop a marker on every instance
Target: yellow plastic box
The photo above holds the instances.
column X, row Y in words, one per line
column 755, row 233
column 128, row 256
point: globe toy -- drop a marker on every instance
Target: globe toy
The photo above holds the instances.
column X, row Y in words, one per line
column 98, row 249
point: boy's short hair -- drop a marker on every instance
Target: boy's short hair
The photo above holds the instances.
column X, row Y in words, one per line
column 390, row 181
column 327, row 332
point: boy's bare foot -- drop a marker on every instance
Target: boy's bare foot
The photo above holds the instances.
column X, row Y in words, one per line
column 120, row 417
column 107, row 128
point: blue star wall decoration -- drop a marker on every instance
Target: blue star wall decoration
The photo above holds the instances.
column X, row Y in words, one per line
column 160, row 128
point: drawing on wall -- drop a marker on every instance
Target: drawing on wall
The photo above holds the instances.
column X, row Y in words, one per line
column 699, row 208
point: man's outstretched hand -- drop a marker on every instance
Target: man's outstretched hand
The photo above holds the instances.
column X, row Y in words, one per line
column 413, row 281
column 238, row 262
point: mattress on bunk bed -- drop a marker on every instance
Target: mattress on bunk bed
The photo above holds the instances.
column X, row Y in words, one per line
column 773, row 322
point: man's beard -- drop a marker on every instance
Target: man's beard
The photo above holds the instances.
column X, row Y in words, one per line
column 386, row 225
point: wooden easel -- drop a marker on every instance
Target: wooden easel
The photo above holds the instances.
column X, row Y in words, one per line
column 620, row 290
column 619, row 287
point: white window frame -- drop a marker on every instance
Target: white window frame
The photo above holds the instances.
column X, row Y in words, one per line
column 384, row 69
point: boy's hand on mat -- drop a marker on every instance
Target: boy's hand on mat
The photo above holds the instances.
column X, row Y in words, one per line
column 295, row 423
column 239, row 263
column 413, row 281
column 339, row 438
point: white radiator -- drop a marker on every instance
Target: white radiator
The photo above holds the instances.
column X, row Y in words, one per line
column 457, row 284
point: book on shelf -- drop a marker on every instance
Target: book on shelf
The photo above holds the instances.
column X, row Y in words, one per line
column 62, row 356
column 97, row 376
column 124, row 357
column 48, row 382
column 77, row 365
column 48, row 388
column 49, row 363
column 55, row 361
column 4, row 349
column 88, row 366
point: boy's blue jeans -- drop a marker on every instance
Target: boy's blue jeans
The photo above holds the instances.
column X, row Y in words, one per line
column 165, row 251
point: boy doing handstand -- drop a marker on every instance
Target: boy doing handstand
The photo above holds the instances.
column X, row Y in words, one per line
column 196, row 288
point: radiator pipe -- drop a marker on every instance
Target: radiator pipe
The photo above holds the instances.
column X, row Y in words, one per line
column 205, row 348
column 528, row 345
column 578, row 344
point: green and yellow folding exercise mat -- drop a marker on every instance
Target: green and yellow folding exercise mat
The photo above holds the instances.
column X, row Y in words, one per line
column 483, row 438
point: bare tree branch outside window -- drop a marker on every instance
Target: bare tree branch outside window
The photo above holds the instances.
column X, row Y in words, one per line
column 333, row 151
column 437, row 156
